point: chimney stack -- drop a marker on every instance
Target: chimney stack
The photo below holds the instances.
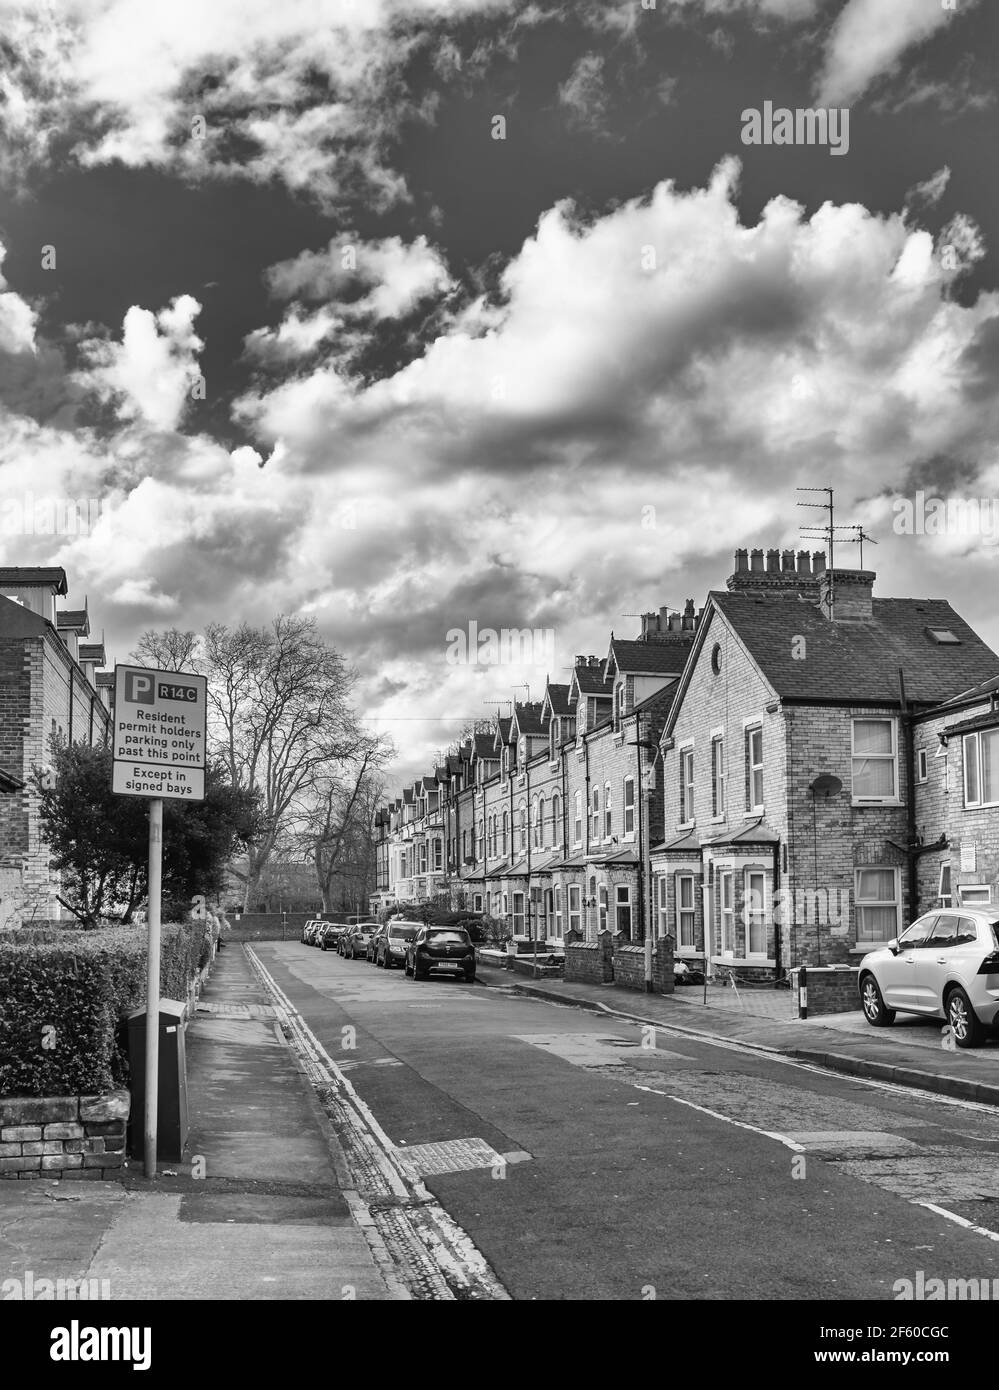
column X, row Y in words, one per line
column 852, row 595
column 777, row 572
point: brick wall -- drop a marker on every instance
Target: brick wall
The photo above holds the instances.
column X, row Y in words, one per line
column 940, row 810
column 830, row 991
column 267, row 926
column 63, row 1136
column 590, row 962
column 629, row 966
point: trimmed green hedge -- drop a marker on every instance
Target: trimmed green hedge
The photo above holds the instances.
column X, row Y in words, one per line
column 63, row 995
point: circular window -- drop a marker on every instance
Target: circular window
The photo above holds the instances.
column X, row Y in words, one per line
column 716, row 658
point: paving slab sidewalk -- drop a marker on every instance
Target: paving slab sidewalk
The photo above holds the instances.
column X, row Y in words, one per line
column 256, row 1209
column 908, row 1054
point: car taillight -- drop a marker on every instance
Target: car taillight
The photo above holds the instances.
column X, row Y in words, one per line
column 990, row 965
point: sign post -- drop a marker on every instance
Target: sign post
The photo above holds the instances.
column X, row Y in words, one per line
column 160, row 731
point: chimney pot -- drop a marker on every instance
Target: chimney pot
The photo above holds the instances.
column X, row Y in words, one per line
column 688, row 608
column 773, row 561
column 756, row 561
column 741, row 561
column 787, row 561
column 804, row 562
column 818, row 562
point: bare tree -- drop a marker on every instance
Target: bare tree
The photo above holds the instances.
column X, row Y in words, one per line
column 279, row 717
column 171, row 650
column 338, row 831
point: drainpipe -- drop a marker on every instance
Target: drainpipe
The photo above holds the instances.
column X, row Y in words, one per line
column 778, row 954
column 910, row 798
column 644, row 867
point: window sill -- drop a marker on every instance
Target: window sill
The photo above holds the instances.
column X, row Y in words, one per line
column 718, row 820
column 754, row 813
column 741, row 960
column 860, row 805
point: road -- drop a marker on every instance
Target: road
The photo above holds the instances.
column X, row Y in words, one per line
column 618, row 1164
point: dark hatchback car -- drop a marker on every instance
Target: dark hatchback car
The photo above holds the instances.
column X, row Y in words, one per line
column 447, row 950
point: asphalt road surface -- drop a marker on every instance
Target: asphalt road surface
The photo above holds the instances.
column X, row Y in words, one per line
column 614, row 1163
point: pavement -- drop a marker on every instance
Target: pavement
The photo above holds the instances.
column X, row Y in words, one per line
column 909, row 1053
column 260, row 1208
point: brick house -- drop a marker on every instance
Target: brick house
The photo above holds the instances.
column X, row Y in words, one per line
column 956, row 759
column 50, row 685
column 789, row 830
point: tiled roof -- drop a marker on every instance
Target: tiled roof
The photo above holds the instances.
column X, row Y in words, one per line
column 33, row 575
column 558, row 698
column 504, row 728
column 614, row 856
column 660, row 701
column 528, row 718
column 485, row 746
column 93, row 651
column 989, row 720
column 977, row 692
column 857, row 662
column 105, row 678
column 689, row 840
column 756, row 834
column 590, row 680
column 650, row 658
column 74, row 619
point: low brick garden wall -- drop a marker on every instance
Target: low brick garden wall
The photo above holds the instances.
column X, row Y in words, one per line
column 268, row 926
column 629, row 966
column 589, row 962
column 830, row 990
column 63, row 1136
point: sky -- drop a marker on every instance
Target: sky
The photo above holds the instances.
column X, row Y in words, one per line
column 416, row 315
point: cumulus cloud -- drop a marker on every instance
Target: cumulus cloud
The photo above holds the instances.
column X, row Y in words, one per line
column 869, row 40
column 394, row 275
column 17, row 318
column 150, row 374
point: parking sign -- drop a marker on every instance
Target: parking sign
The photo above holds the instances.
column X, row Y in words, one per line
column 160, row 731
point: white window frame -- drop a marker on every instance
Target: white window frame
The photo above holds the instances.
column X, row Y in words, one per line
column 541, row 822
column 726, row 912
column 946, row 879
column 506, row 828
column 595, row 813
column 556, row 820
column 534, row 827
column 981, row 894
column 978, row 762
column 754, row 770
column 523, row 827
column 476, row 902
column 438, row 856
column 621, row 903
column 577, row 820
column 922, row 766
column 868, row 942
column 892, row 798
column 608, row 816
column 520, row 916
column 575, row 907
column 603, row 908
column 557, row 912
column 718, row 777
column 628, row 807
column 753, row 915
column 662, row 904
column 687, row 784
column 690, row 912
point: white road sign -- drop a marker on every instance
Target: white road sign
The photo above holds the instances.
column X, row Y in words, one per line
column 159, row 733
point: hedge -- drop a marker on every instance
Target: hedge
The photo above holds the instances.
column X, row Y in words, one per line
column 64, row 994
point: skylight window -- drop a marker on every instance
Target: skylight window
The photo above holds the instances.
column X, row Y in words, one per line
column 944, row 636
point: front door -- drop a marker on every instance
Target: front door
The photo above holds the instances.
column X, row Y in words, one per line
column 898, row 974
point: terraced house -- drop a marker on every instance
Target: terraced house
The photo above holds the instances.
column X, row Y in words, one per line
column 51, row 684
column 792, row 796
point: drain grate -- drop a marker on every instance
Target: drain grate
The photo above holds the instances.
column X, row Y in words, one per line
column 451, row 1156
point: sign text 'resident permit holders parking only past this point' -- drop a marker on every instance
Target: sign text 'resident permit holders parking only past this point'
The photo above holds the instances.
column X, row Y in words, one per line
column 159, row 733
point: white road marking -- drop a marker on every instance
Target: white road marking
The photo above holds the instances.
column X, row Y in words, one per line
column 960, row 1220
column 715, row 1115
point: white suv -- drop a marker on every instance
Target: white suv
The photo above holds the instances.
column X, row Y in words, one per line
column 945, row 965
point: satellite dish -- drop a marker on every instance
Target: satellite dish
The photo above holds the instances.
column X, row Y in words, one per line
column 826, row 783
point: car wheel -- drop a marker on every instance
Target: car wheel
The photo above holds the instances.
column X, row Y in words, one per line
column 877, row 1015
column 965, row 1024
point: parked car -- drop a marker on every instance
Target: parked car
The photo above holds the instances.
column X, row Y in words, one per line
column 354, row 941
column 310, row 929
column 391, row 942
column 306, row 928
column 946, row 965
column 328, row 935
column 445, row 949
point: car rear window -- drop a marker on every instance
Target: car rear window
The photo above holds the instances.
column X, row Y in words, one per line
column 403, row 933
column 459, row 936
